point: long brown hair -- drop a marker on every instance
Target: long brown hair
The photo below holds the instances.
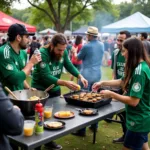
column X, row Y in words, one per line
column 136, row 52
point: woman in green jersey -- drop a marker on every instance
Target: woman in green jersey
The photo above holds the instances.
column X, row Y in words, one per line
column 136, row 87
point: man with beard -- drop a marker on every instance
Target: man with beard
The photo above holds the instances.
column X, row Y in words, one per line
column 13, row 67
column 49, row 70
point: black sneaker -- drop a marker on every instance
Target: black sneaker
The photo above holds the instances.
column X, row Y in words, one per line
column 119, row 140
column 52, row 146
column 79, row 134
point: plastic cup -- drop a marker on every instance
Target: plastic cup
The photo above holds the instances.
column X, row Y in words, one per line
column 29, row 127
column 48, row 111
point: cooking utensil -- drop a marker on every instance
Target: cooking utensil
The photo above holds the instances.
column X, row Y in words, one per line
column 49, row 88
column 27, row 106
column 10, row 92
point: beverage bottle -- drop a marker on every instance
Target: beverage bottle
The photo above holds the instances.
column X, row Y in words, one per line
column 39, row 118
column 37, row 51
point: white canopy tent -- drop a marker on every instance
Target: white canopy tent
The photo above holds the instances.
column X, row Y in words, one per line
column 48, row 32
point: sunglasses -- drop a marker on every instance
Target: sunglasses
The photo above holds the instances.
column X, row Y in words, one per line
column 120, row 40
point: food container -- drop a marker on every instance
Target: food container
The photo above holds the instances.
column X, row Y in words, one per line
column 85, row 104
column 28, row 128
column 27, row 106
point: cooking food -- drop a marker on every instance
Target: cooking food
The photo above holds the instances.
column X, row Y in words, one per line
column 75, row 96
column 82, row 94
column 64, row 114
column 34, row 98
column 87, row 96
column 54, row 124
column 87, row 111
column 79, row 87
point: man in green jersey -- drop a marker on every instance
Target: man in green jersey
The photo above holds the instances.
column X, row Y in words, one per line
column 13, row 67
column 118, row 61
column 49, row 70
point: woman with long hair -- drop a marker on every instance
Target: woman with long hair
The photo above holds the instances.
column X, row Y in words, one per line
column 136, row 87
column 75, row 62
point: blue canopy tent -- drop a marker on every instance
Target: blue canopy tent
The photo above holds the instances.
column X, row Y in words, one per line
column 135, row 23
column 80, row 31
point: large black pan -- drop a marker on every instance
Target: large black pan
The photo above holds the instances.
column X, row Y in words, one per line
column 28, row 106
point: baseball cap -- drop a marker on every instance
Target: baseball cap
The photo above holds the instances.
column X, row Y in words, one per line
column 16, row 29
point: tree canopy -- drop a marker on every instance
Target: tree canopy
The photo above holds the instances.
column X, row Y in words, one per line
column 62, row 12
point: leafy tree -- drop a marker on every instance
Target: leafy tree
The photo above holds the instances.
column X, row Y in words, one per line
column 23, row 14
column 61, row 12
column 102, row 18
column 42, row 21
column 125, row 9
column 6, row 4
column 142, row 6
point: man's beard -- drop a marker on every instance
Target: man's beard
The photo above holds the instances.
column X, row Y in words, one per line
column 54, row 56
column 22, row 45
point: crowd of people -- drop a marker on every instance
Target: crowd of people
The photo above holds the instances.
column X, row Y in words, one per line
column 131, row 71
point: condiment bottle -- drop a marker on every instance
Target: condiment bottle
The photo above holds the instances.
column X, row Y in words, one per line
column 39, row 118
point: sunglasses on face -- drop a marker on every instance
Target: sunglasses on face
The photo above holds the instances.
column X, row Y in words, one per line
column 119, row 40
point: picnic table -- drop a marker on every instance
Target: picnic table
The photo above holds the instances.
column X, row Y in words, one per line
column 72, row 124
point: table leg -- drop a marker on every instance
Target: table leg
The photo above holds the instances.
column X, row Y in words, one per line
column 94, row 134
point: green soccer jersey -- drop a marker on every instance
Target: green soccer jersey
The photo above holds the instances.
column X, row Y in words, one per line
column 120, row 64
column 11, row 74
column 138, row 118
column 49, row 71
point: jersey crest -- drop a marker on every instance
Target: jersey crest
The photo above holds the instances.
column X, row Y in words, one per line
column 136, row 87
column 42, row 65
column 9, row 67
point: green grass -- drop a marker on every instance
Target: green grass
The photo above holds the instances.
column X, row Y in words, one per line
column 106, row 131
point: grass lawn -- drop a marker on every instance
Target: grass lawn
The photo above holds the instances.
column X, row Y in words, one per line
column 106, row 131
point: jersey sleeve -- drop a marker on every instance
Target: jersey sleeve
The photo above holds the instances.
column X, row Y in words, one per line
column 138, row 84
column 9, row 70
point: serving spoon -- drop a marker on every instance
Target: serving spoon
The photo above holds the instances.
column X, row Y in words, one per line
column 10, row 92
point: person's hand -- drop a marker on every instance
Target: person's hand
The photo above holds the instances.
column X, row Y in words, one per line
column 74, row 50
column 35, row 59
column 106, row 93
column 71, row 85
column 16, row 107
column 33, row 89
column 84, row 82
column 96, row 86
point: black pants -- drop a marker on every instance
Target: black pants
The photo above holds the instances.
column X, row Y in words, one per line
column 122, row 117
